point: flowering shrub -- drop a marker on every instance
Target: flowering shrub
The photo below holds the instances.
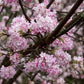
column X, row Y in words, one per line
column 39, row 38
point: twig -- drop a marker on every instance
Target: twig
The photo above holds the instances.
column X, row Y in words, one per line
column 50, row 3
column 34, row 75
column 70, row 25
column 2, row 10
column 74, row 38
column 20, row 2
column 9, row 19
column 23, row 71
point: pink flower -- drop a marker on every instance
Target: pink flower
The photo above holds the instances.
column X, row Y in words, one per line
column 18, row 43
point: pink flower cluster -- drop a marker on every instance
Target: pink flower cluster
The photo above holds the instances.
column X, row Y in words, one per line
column 78, row 67
column 63, row 58
column 64, row 42
column 15, row 59
column 46, row 63
column 43, row 24
column 7, row 72
column 45, row 20
column 18, row 24
column 18, row 43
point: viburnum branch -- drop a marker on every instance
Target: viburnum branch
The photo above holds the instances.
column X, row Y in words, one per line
column 52, row 36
